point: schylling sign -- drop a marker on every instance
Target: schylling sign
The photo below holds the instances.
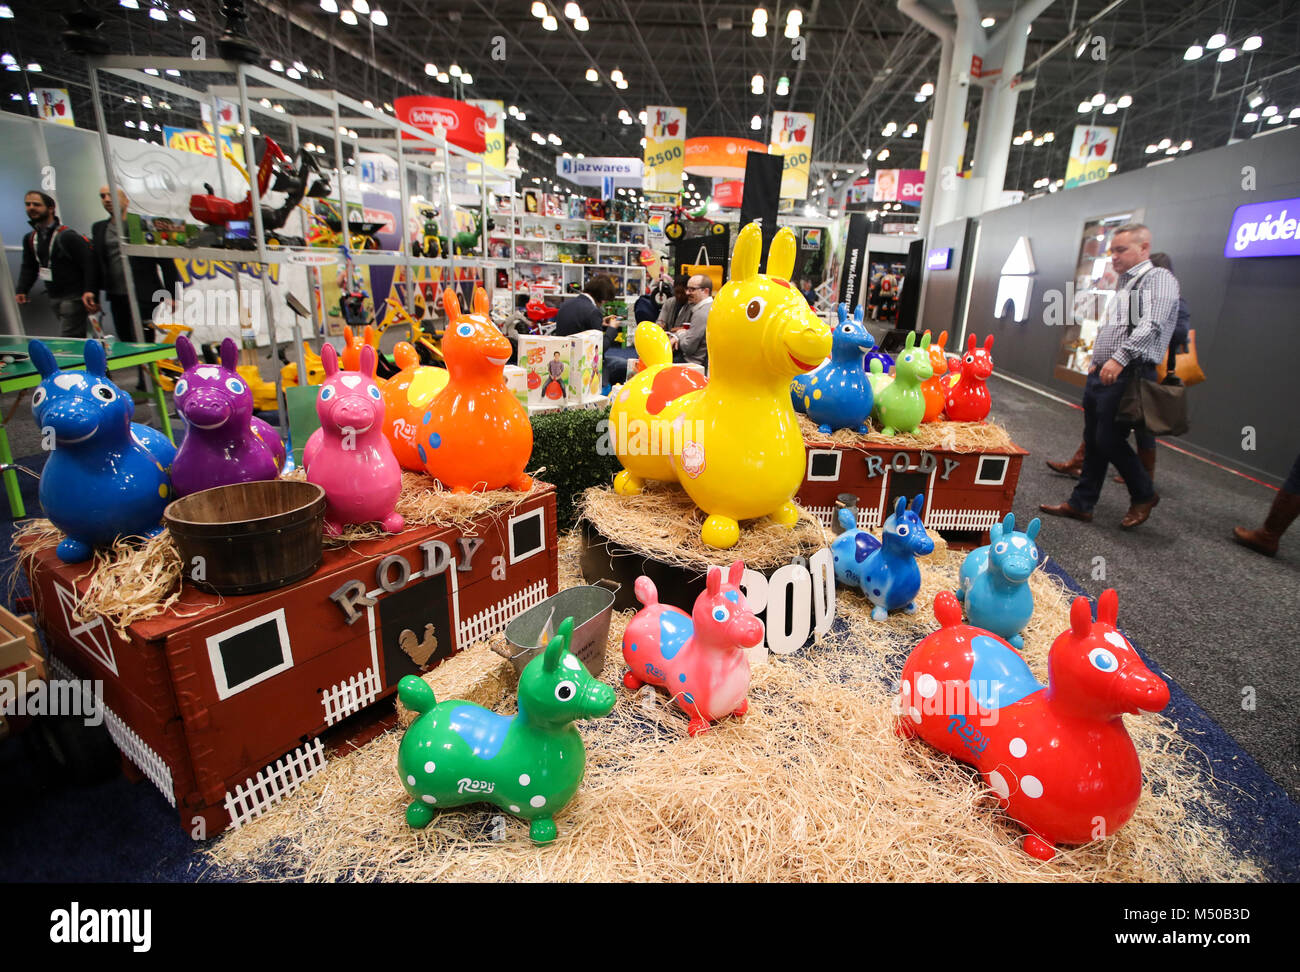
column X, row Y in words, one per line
column 1264, row 229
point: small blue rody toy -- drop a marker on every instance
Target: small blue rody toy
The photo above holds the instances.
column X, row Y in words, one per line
column 994, row 581
column 107, row 477
column 838, row 394
column 886, row 573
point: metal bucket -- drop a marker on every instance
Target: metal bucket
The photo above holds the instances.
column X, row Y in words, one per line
column 590, row 608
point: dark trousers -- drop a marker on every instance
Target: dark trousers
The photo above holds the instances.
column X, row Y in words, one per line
column 71, row 313
column 120, row 304
column 1292, row 484
column 1105, row 442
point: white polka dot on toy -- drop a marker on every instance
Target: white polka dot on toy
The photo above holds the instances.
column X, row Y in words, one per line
column 524, row 779
column 538, row 801
column 926, row 685
column 571, row 662
column 513, row 808
column 428, row 798
column 1017, row 747
column 410, row 780
column 907, row 688
column 429, row 767
column 999, row 785
column 1116, row 639
column 915, row 715
column 1031, row 786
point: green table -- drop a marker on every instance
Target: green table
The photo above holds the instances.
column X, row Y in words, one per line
column 70, row 354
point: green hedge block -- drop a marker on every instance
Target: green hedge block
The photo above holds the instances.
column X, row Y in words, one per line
column 569, row 444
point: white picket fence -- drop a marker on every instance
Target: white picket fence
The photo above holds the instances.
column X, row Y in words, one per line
column 961, row 519
column 133, row 747
column 826, row 514
column 351, row 695
column 272, row 784
column 489, row 622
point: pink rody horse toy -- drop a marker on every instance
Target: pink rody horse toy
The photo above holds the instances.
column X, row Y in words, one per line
column 1059, row 758
column 697, row 657
column 349, row 456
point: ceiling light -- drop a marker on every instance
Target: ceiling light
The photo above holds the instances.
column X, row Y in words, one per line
column 755, row 123
column 554, row 139
column 1186, row 146
column 129, row 123
column 1249, row 118
column 512, row 111
column 1098, row 99
column 1295, row 113
column 280, row 109
column 467, row 78
column 1151, row 150
column 593, row 76
column 522, row 116
column 1275, row 119
column 1038, row 141
column 641, row 116
column 550, row 23
column 1227, row 54
column 455, row 70
column 616, row 75
column 1172, row 150
column 572, row 11
column 348, row 17
column 1110, row 108
column 183, row 14
column 1256, row 98
column 369, row 104
column 150, row 71
column 444, row 77
column 927, row 89
column 172, row 72
column 1164, row 143
column 329, row 6
column 1018, row 140
column 1252, row 43
column 1124, row 101
column 1215, row 42
column 1085, row 107
column 130, row 4
column 157, row 13
column 756, row 84
column 1193, row 53
column 883, row 154
column 277, row 66
column 794, row 17
column 621, row 85
column 759, row 29
column 431, row 69
column 1270, row 110
column 782, row 86
column 582, row 24
column 1027, row 134
column 1112, row 167
column 361, row 6
column 791, row 30
column 987, row 22
column 379, row 18
column 539, row 9
column 760, row 15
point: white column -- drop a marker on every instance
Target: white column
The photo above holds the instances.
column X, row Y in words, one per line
column 966, row 41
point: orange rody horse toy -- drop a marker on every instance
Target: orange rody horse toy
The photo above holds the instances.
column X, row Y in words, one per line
column 475, row 435
column 934, row 389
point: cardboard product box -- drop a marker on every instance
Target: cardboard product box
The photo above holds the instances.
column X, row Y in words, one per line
column 548, row 364
column 517, row 381
column 586, row 361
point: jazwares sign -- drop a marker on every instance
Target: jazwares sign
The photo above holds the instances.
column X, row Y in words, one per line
column 1265, row 229
column 591, row 172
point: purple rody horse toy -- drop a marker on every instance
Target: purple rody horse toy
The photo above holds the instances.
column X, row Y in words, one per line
column 224, row 442
column 697, row 657
column 349, row 456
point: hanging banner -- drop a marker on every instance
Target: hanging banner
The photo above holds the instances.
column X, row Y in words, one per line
column 792, row 137
column 464, row 124
column 1090, row 153
column 494, row 131
column 899, row 185
column 719, row 156
column 199, row 142
column 54, row 105
column 665, row 142
column 730, row 194
column 592, row 171
column 227, row 115
column 855, row 255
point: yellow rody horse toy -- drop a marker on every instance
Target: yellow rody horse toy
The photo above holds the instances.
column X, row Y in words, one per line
column 733, row 444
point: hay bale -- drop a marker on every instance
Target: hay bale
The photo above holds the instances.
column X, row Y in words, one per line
column 664, row 524
column 929, row 436
column 478, row 674
column 812, row 785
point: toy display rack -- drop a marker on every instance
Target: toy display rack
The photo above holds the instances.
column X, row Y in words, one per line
column 626, row 269
column 222, row 702
column 328, row 114
column 965, row 492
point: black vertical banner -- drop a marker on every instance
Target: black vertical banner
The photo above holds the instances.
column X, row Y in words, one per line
column 762, row 195
column 855, row 259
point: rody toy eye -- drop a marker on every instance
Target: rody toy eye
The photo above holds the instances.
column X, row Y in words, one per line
column 104, row 393
column 373, row 392
column 754, row 309
column 182, row 386
column 326, row 393
column 465, row 330
column 235, row 386
column 38, row 396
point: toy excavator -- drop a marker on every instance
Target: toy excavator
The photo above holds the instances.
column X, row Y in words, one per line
column 273, row 173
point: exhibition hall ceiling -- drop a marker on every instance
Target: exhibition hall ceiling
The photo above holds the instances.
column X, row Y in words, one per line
column 857, row 65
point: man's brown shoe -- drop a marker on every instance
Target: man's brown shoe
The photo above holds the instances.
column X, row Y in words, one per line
column 1138, row 512
column 1072, row 467
column 1066, row 510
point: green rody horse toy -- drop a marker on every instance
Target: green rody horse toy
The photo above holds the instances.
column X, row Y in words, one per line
column 900, row 403
column 528, row 764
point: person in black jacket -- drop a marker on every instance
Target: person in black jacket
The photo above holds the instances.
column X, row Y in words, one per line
column 61, row 257
column 149, row 274
column 584, row 312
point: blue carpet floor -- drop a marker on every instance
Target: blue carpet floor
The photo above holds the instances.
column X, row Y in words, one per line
column 119, row 831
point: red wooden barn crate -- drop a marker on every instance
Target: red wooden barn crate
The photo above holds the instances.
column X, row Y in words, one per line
column 964, row 491
column 220, row 702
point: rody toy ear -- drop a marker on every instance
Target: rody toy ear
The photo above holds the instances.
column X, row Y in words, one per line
column 558, row 646
column 329, row 358
column 185, row 351
column 229, row 354
column 481, row 304
column 1108, row 606
column 1035, row 525
column 42, row 358
column 1080, row 617
column 901, row 507
column 714, row 582
column 748, row 249
column 918, row 504
column 843, row 311
column 451, row 304
column 736, row 573
column 96, row 359
column 780, row 257
column 369, row 362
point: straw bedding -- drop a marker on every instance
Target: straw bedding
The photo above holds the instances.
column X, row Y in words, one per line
column 931, row 436
column 812, row 785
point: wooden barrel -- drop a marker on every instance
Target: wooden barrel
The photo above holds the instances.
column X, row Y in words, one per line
column 251, row 536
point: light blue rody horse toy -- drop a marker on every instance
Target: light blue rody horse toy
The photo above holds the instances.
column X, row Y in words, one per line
column 994, row 581
column 886, row 573
column 838, row 394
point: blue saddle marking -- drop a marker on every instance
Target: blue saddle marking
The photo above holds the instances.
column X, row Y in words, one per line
column 674, row 629
column 864, row 545
column 483, row 731
column 998, row 675
column 732, row 596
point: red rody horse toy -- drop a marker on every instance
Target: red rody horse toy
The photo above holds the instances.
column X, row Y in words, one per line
column 968, row 397
column 697, row 657
column 1059, row 758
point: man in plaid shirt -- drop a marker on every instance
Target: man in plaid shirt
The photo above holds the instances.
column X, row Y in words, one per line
column 1134, row 335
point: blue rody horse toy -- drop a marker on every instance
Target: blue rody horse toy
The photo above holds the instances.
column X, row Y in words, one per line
column 838, row 394
column 994, row 581
column 886, row 573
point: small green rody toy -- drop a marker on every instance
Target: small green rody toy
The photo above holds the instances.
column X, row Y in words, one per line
column 900, row 403
column 529, row 764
